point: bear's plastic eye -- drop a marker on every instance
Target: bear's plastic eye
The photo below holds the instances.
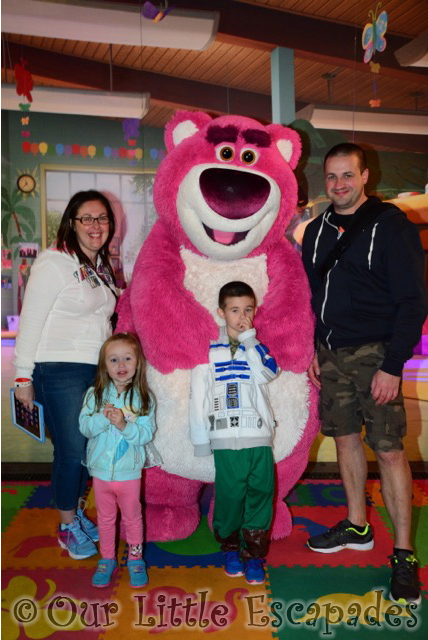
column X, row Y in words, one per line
column 226, row 153
column 249, row 156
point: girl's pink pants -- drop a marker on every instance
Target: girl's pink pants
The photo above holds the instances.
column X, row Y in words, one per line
column 126, row 496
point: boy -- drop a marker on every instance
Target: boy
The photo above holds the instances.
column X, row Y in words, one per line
column 230, row 414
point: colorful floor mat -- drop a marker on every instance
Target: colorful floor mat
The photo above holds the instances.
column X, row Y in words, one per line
column 307, row 595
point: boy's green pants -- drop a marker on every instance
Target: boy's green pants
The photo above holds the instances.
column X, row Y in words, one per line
column 244, row 490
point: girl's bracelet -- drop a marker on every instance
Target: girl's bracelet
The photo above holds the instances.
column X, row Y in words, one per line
column 23, row 382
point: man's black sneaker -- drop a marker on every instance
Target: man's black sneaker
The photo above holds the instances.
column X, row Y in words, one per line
column 342, row 536
column 405, row 586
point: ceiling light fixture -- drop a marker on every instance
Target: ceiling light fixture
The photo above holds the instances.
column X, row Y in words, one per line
column 355, row 120
column 414, row 53
column 79, row 102
column 109, row 23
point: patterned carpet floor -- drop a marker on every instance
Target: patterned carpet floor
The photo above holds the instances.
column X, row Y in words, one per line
column 307, row 595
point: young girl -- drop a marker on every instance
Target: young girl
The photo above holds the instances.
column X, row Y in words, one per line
column 118, row 419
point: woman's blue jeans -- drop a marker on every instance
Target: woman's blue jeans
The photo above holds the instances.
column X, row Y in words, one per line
column 60, row 387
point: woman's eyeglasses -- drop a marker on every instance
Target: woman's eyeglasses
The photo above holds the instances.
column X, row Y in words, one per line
column 88, row 220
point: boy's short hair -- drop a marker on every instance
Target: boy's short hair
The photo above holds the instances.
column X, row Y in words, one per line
column 348, row 149
column 234, row 289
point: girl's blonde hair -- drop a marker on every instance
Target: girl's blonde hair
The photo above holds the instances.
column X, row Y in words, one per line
column 138, row 382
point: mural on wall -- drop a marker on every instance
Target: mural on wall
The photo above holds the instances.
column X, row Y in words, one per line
column 18, row 229
column 18, row 222
column 390, row 173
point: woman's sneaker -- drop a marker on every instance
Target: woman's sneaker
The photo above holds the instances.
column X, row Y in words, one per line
column 137, row 573
column 233, row 565
column 405, row 585
column 254, row 571
column 342, row 536
column 87, row 525
column 78, row 544
column 106, row 568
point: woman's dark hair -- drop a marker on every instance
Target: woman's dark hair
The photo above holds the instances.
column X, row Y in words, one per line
column 66, row 239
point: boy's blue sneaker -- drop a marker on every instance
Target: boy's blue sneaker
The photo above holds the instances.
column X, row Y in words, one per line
column 137, row 573
column 87, row 525
column 78, row 544
column 254, row 572
column 104, row 573
column 233, row 565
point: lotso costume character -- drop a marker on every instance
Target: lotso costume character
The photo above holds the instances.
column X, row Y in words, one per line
column 224, row 193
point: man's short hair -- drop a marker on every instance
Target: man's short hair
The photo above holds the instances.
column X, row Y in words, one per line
column 235, row 289
column 348, row 149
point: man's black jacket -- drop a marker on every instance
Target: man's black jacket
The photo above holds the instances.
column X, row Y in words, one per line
column 375, row 291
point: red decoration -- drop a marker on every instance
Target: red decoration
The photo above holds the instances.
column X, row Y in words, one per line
column 26, row 146
column 123, row 153
column 75, row 149
column 24, row 80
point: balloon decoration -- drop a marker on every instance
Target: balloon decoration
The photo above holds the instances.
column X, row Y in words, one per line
column 373, row 40
column 89, row 151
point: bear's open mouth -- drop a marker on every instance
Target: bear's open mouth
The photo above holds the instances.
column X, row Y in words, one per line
column 225, row 237
column 234, row 194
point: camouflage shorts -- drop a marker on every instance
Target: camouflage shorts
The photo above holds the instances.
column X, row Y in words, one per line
column 346, row 401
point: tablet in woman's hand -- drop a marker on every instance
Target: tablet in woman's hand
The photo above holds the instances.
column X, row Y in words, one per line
column 31, row 422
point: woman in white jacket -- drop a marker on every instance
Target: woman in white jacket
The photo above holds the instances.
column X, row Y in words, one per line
column 66, row 317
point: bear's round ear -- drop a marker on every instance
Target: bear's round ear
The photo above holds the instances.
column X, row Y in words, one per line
column 184, row 124
column 288, row 143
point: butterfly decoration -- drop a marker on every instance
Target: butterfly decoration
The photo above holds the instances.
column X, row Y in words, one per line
column 151, row 12
column 373, row 33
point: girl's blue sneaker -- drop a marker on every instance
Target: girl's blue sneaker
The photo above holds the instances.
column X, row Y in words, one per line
column 104, row 573
column 137, row 573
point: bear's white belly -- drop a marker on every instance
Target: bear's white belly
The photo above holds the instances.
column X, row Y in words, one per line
column 289, row 393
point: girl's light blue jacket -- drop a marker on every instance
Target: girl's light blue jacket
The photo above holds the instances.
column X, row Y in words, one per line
column 115, row 455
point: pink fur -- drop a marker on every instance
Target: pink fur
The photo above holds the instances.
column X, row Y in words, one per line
column 172, row 509
column 175, row 329
column 284, row 320
column 165, row 346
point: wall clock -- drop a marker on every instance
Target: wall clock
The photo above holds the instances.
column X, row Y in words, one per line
column 26, row 183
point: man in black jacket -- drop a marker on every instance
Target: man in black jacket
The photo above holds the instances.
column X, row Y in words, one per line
column 365, row 265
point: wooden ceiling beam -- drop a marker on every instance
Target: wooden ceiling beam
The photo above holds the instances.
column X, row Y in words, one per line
column 311, row 38
column 169, row 90
column 316, row 39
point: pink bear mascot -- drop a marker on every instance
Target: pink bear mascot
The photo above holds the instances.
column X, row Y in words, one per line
column 224, row 193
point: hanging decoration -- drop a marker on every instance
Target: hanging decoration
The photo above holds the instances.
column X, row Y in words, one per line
column 373, row 40
column 24, row 86
column 152, row 12
column 131, row 127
